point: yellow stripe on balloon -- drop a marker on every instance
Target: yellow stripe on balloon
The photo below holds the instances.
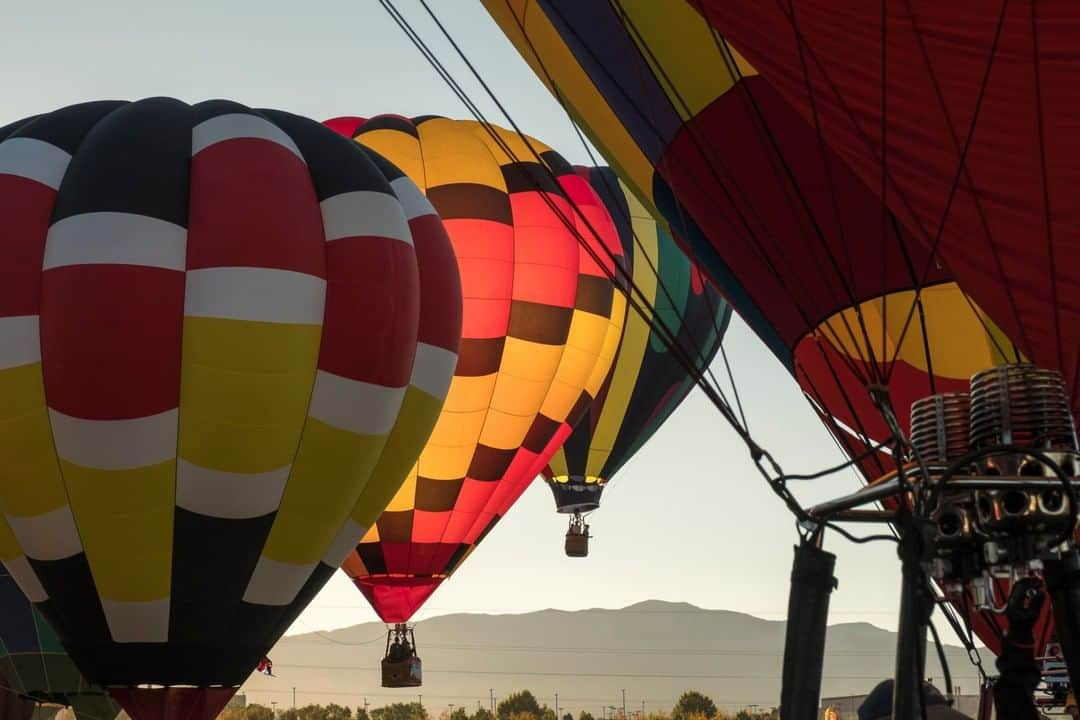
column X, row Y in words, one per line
column 677, row 43
column 948, row 315
column 30, row 483
column 126, row 527
column 245, row 392
column 635, row 339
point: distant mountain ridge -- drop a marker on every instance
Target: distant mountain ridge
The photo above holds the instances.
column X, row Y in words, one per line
column 654, row 650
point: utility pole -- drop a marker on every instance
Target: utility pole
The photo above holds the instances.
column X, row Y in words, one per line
column 421, row 697
column 557, row 716
column 491, row 694
column 273, row 706
column 294, row 700
column 643, row 707
column 624, row 703
column 365, row 706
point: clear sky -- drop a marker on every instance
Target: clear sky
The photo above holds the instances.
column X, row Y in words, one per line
column 689, row 518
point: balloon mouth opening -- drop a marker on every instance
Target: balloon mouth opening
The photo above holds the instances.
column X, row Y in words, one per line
column 176, row 702
column 396, row 599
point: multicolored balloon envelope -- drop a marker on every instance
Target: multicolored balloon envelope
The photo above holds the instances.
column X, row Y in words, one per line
column 542, row 319
column 846, row 295
column 647, row 382
column 210, row 321
column 34, row 665
column 972, row 116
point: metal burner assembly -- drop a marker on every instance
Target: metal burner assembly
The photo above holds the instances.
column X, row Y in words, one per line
column 999, row 462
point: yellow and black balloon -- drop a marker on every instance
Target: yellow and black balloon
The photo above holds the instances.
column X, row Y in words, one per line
column 647, row 381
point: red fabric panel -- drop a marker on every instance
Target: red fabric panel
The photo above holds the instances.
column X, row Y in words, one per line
column 25, row 210
column 485, row 255
column 381, row 347
column 118, row 357
column 440, row 281
column 545, row 252
column 250, row 202
column 395, row 599
column 1010, row 232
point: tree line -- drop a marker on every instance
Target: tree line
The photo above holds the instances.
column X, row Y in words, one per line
column 522, row 705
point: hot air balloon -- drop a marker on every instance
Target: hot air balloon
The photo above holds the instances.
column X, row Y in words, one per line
column 541, row 320
column 647, row 382
column 33, row 663
column 966, row 125
column 209, row 322
column 848, row 297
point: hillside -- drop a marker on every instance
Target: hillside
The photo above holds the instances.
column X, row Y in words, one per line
column 655, row 650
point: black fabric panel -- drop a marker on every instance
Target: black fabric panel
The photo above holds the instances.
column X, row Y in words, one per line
column 388, row 122
column 540, row 433
column 557, row 163
column 67, row 127
column 459, row 555
column 529, row 177
column 479, row 356
column 538, row 322
column 490, row 464
column 595, row 295
column 212, row 561
column 372, row 557
column 395, row 526
column 421, row 119
column 581, row 406
column 337, row 164
column 73, row 608
column 261, row 621
column 9, row 129
column 471, row 201
column 227, row 661
column 437, row 495
column 135, row 160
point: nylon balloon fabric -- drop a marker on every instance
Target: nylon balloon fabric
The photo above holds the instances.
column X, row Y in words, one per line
column 33, row 663
column 843, row 293
column 210, row 327
column 647, row 382
column 970, row 117
column 541, row 322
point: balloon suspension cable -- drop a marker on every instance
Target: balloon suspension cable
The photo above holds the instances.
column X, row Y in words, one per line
column 763, row 460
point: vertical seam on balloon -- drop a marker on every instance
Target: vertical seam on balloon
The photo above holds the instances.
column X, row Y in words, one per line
column 315, row 370
column 180, row 364
column 44, row 386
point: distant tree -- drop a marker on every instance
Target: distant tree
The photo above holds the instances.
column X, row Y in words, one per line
column 585, row 715
column 547, row 713
column 567, row 716
column 256, row 712
column 482, row 714
column 522, row 702
column 400, row 711
column 459, row 714
column 692, row 703
column 361, row 713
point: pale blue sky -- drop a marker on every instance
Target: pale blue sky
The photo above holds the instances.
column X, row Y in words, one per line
column 689, row 518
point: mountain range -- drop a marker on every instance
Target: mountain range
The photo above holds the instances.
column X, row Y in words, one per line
column 651, row 650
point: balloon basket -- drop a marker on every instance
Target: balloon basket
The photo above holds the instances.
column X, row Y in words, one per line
column 577, row 537
column 401, row 666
